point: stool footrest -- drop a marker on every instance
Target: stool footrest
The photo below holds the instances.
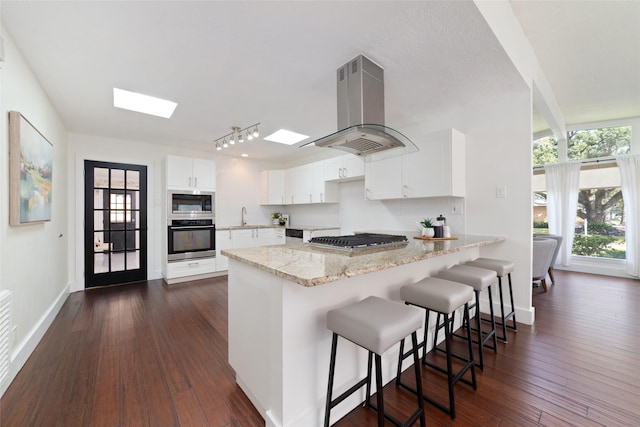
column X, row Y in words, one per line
column 427, row 399
column 412, row 419
column 348, row 393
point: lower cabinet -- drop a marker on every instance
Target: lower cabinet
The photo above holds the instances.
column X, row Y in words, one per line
column 179, row 271
column 245, row 238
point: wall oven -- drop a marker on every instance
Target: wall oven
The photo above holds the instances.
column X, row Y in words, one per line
column 191, row 238
column 190, row 205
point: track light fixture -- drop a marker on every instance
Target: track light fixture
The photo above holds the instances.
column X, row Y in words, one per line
column 237, row 135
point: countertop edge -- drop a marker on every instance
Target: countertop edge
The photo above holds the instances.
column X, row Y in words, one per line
column 345, row 273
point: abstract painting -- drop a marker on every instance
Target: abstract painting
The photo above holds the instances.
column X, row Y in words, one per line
column 30, row 170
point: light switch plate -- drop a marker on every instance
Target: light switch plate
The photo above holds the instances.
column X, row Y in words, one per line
column 501, row 192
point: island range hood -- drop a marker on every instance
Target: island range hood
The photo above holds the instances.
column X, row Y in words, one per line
column 361, row 114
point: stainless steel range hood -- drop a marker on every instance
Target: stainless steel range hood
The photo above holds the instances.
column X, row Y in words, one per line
column 361, row 114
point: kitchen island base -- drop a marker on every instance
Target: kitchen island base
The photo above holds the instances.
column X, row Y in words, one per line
column 279, row 345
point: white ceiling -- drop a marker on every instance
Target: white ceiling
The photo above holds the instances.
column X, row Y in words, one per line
column 238, row 62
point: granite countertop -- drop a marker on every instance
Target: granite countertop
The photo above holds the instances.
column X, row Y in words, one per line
column 313, row 227
column 311, row 266
column 248, row 227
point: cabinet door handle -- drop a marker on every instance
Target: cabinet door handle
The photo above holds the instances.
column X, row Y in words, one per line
column 366, row 193
column 256, row 233
column 193, row 264
column 404, row 191
column 344, row 174
column 321, row 197
column 195, row 180
column 189, row 181
column 229, row 234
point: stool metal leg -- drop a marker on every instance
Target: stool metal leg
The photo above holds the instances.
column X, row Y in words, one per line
column 506, row 316
column 416, row 366
column 379, row 390
column 332, row 366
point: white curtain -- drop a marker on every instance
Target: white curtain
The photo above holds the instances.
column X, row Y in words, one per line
column 630, row 175
column 562, row 203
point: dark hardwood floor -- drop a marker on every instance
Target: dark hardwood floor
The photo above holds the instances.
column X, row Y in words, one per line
column 155, row 355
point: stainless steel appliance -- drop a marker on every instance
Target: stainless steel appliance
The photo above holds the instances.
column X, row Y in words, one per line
column 360, row 241
column 361, row 127
column 191, row 238
column 294, row 235
column 191, row 205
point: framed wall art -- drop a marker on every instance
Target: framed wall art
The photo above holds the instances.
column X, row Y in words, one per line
column 30, row 172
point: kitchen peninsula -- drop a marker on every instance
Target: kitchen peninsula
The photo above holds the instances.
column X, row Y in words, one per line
column 278, row 298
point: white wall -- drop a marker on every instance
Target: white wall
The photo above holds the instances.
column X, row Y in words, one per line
column 34, row 259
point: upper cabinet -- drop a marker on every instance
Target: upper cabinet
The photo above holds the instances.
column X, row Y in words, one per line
column 347, row 167
column 437, row 169
column 272, row 187
column 185, row 173
column 306, row 185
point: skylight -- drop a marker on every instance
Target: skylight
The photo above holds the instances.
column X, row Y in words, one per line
column 287, row 137
column 142, row 103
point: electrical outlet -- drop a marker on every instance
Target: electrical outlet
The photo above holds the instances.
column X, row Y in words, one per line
column 501, row 192
column 457, row 207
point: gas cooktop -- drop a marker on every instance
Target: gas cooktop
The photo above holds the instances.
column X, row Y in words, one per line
column 359, row 241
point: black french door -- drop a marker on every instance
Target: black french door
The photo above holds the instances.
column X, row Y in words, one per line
column 115, row 223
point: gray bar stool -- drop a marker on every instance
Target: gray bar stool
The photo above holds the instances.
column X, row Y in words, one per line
column 479, row 279
column 502, row 268
column 375, row 324
column 443, row 297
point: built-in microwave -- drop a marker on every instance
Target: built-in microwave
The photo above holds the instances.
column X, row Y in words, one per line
column 189, row 205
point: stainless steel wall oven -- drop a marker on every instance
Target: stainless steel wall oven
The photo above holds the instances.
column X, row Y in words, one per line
column 191, row 238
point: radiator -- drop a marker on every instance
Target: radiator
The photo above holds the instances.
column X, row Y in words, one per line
column 5, row 334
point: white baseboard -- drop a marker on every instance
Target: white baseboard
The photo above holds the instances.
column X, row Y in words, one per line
column 23, row 350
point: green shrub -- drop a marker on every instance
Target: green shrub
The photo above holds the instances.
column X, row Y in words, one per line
column 540, row 224
column 601, row 228
column 594, row 245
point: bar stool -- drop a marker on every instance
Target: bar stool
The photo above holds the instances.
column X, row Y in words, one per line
column 375, row 324
column 479, row 279
column 443, row 297
column 502, row 268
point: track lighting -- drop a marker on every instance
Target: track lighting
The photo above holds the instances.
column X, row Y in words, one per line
column 237, row 135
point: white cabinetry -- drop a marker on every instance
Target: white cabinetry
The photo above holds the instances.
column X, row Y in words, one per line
column 344, row 168
column 190, row 270
column 437, row 169
column 223, row 241
column 306, row 184
column 245, row 238
column 272, row 187
column 184, row 173
column 383, row 179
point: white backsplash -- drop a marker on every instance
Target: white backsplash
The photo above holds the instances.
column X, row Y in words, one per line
column 354, row 213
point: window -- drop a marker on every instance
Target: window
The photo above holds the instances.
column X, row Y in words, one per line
column 120, row 208
column 602, row 142
column 600, row 222
column 545, row 150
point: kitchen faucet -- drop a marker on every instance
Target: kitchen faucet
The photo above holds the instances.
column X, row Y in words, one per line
column 243, row 214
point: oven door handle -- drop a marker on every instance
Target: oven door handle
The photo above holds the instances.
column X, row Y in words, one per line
column 191, row 227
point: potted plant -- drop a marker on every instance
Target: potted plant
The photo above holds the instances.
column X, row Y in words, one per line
column 275, row 218
column 427, row 227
